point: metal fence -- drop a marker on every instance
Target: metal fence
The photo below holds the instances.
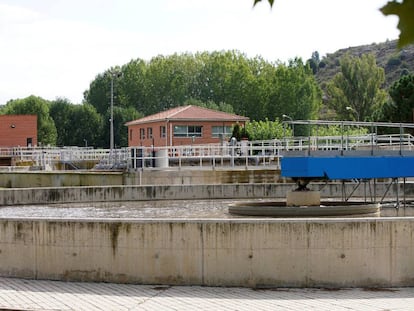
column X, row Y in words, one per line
column 249, row 154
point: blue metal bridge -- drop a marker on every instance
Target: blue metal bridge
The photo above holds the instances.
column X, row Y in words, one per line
column 352, row 165
column 357, row 165
column 368, row 163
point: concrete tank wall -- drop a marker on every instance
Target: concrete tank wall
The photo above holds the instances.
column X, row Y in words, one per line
column 174, row 192
column 146, row 177
column 58, row 179
column 139, row 193
column 260, row 252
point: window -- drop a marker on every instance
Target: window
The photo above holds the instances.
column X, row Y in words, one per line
column 194, row 131
column 188, row 131
column 216, row 131
column 163, row 132
column 180, row 131
column 149, row 132
column 130, row 134
column 141, row 133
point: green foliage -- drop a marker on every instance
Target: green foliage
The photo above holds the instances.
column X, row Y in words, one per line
column 266, row 130
column 227, row 81
column 355, row 93
column 46, row 129
column 168, row 81
column 402, row 105
column 394, row 61
column 383, row 52
column 61, row 112
column 99, row 93
column 86, row 126
column 80, row 125
column 314, row 62
column 404, row 72
column 336, row 130
column 131, row 86
column 77, row 125
column 236, row 132
column 294, row 92
column 404, row 9
column 210, row 105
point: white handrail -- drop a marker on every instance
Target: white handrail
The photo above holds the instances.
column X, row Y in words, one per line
column 245, row 153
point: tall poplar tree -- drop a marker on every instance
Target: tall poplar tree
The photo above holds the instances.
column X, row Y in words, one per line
column 355, row 92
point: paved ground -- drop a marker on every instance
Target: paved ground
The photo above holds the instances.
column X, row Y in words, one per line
column 18, row 294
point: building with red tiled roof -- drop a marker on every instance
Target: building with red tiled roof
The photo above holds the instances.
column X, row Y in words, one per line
column 18, row 130
column 182, row 125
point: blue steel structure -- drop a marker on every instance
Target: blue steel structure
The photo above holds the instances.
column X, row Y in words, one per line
column 344, row 164
column 347, row 166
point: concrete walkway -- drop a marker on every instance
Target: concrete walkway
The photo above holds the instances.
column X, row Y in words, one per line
column 19, row 294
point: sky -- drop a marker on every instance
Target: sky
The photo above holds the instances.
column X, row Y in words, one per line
column 55, row 48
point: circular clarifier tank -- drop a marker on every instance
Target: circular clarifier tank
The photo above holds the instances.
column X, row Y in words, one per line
column 325, row 209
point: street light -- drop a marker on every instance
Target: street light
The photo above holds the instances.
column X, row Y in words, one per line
column 114, row 74
column 285, row 116
column 354, row 111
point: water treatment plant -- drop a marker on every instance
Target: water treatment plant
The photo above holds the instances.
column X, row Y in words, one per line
column 191, row 228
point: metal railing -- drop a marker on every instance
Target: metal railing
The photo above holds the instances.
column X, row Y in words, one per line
column 249, row 154
column 245, row 154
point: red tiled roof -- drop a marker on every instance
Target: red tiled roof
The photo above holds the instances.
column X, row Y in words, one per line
column 189, row 113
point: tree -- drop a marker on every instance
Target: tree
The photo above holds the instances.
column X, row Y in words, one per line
column 225, row 80
column 61, row 113
column 46, row 129
column 355, row 92
column 294, row 92
column 314, row 62
column 131, row 86
column 99, row 93
column 210, row 105
column 86, row 126
column 402, row 106
column 167, row 82
column 404, row 9
column 265, row 130
column 77, row 125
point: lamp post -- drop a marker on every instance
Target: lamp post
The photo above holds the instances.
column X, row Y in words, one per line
column 111, row 120
column 285, row 116
column 114, row 74
column 354, row 111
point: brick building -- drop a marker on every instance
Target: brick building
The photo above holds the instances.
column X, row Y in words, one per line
column 18, row 130
column 182, row 125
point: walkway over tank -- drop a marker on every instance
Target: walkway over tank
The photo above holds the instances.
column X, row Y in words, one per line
column 350, row 164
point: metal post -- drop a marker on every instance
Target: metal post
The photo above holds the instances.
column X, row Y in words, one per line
column 342, row 138
column 111, row 121
column 309, row 138
column 401, row 135
column 372, row 139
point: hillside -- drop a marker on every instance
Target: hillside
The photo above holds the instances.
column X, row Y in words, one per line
column 395, row 62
